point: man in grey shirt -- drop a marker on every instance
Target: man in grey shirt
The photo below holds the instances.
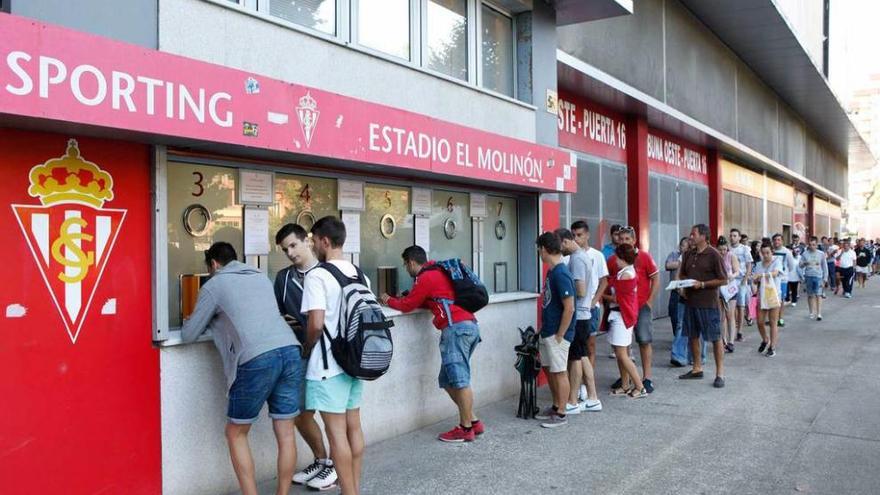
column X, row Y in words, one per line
column 815, row 272
column 261, row 359
column 579, row 367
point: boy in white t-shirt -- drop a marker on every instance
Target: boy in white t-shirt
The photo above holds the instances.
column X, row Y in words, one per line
column 329, row 390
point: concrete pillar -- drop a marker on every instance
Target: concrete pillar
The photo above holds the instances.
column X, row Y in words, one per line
column 637, row 184
column 716, row 195
column 811, row 217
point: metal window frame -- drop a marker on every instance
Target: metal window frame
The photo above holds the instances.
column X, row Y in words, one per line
column 479, row 42
column 161, row 330
column 161, row 321
column 347, row 26
column 264, row 6
column 470, row 44
column 415, row 32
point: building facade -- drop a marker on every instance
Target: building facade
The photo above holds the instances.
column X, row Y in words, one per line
column 714, row 132
column 133, row 138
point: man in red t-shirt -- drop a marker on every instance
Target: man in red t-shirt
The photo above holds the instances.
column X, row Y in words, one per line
column 459, row 336
column 648, row 285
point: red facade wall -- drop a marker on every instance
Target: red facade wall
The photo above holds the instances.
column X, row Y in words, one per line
column 80, row 374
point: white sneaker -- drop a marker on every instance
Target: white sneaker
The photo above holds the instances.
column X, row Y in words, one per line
column 312, row 470
column 572, row 408
column 324, row 480
column 793, row 305
column 591, row 405
column 812, row 316
column 819, row 317
column 582, row 393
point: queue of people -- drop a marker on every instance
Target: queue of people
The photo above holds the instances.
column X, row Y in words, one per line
column 286, row 345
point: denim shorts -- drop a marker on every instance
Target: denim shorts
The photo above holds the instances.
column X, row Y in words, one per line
column 457, row 344
column 335, row 394
column 783, row 290
column 275, row 377
column 595, row 320
column 702, row 323
column 644, row 331
column 814, row 285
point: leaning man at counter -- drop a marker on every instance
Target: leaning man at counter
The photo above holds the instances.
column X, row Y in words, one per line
column 261, row 359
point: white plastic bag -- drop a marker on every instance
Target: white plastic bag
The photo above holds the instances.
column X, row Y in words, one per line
column 769, row 292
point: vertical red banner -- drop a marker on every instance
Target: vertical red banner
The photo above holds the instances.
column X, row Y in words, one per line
column 80, row 374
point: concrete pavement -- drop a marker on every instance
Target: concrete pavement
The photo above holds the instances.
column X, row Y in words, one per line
column 806, row 421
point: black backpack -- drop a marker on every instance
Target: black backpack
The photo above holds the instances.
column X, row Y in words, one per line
column 470, row 292
column 362, row 345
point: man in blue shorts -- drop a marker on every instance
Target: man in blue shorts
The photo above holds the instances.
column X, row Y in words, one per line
column 261, row 359
column 815, row 271
column 459, row 337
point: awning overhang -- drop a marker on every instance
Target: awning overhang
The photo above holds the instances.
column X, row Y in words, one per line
column 577, row 11
column 759, row 33
column 580, row 78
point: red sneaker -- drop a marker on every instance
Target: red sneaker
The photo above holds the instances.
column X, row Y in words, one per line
column 478, row 428
column 457, row 434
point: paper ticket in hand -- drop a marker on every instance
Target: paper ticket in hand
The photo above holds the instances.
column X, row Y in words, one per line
column 681, row 284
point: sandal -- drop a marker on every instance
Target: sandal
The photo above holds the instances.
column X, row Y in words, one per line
column 619, row 391
column 633, row 394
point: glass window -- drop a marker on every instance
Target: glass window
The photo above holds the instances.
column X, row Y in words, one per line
column 193, row 189
column 384, row 25
column 316, row 14
column 497, row 49
column 451, row 227
column 447, row 37
column 386, row 230
column 500, row 246
column 302, row 200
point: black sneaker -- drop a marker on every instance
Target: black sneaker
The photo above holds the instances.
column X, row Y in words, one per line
column 648, row 385
column 719, row 382
column 691, row 375
column 616, row 384
column 762, row 347
column 675, row 364
column 770, row 352
column 739, row 336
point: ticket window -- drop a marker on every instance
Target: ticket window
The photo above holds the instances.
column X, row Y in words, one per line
column 450, row 234
column 500, row 272
column 301, row 200
column 386, row 230
column 202, row 210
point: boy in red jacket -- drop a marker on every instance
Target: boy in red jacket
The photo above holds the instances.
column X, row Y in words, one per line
column 459, row 336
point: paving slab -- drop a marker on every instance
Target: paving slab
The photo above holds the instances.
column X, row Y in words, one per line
column 805, row 421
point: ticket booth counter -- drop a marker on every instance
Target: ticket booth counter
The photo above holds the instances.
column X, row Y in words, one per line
column 203, row 204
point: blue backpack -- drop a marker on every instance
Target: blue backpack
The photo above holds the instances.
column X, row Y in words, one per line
column 470, row 292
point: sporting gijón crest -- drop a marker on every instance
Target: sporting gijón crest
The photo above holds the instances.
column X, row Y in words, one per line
column 70, row 234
